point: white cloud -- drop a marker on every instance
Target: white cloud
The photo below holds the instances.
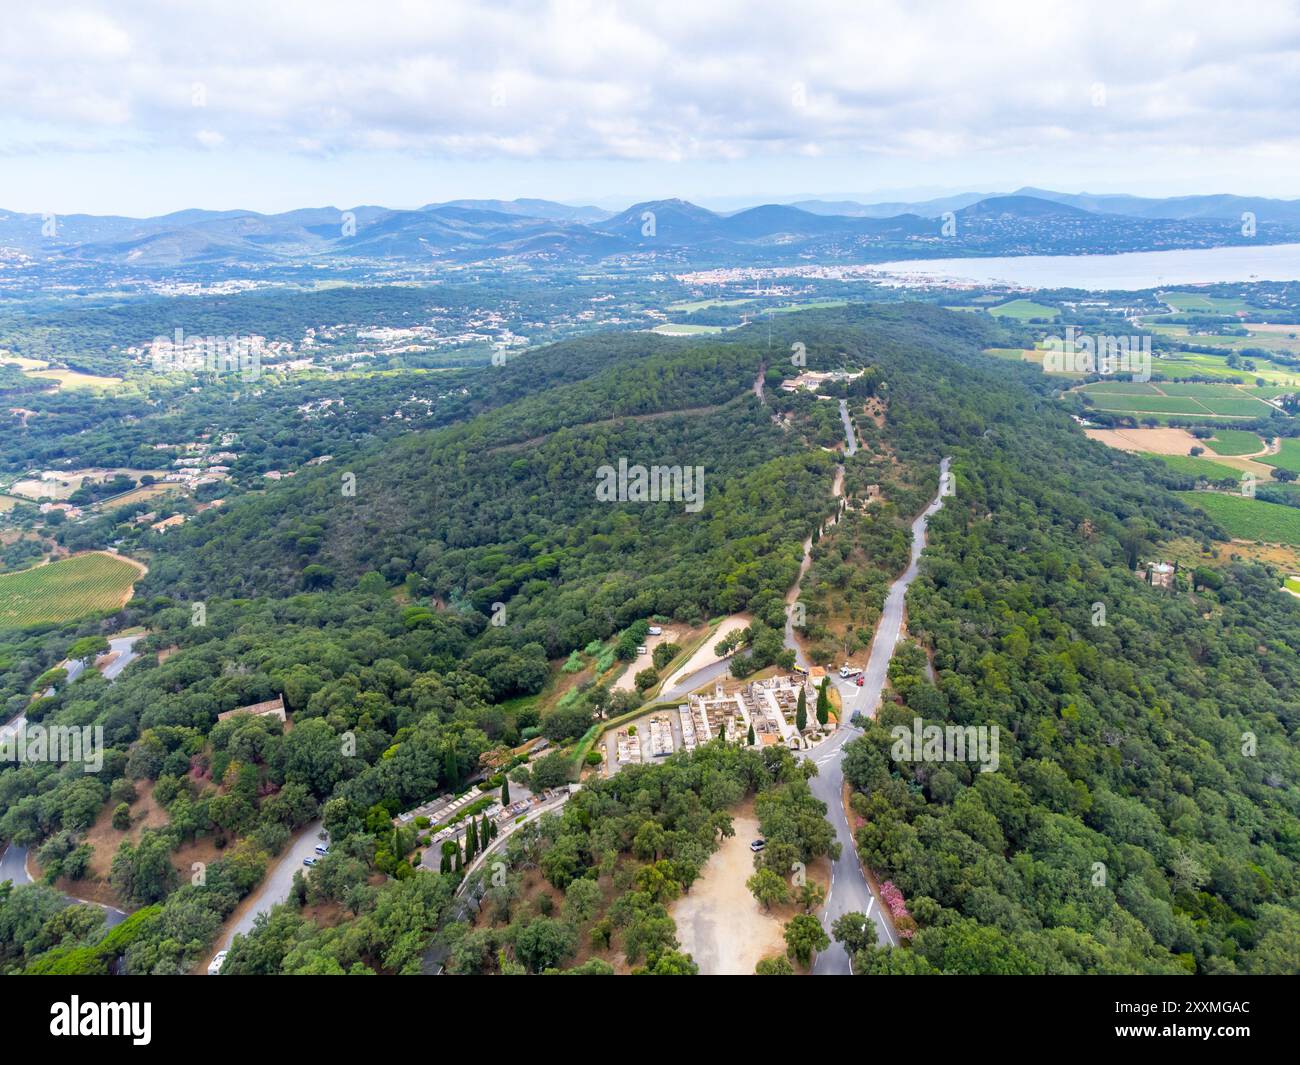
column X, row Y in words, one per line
column 679, row 80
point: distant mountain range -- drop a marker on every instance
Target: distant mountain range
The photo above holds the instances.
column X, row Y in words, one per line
column 1028, row 221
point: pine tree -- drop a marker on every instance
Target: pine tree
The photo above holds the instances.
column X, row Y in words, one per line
column 801, row 715
column 471, row 841
column 751, row 735
column 823, row 712
column 505, row 792
column 484, row 834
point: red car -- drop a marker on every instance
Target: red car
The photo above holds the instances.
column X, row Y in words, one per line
column 861, row 679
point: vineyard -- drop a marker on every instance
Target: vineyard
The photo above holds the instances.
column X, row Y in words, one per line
column 1249, row 519
column 64, row 591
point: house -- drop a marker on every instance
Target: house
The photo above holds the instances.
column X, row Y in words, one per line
column 1161, row 574
column 168, row 523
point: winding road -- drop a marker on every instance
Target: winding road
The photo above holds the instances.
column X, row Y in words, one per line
column 13, row 860
column 849, row 890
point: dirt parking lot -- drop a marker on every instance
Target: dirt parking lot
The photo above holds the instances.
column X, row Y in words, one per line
column 720, row 924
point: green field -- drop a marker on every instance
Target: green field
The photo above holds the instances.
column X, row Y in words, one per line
column 1249, row 519
column 65, row 591
column 1191, row 399
column 1194, row 301
column 1024, row 310
column 1234, row 442
column 675, row 329
column 1129, row 404
column 1288, row 455
column 1194, row 466
column 687, row 306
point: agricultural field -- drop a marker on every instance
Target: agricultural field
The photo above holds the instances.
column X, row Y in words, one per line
column 1195, row 301
column 1288, row 455
column 1189, row 399
column 1031, row 355
column 674, row 329
column 1200, row 364
column 1249, row 519
column 67, row 590
column 690, row 306
column 1024, row 310
column 74, row 379
column 1234, row 442
column 1194, row 466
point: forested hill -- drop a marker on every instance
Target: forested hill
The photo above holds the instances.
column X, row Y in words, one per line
column 1125, row 830
column 468, row 513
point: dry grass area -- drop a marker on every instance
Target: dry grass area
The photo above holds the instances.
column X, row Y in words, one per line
column 1187, row 552
column 1156, row 441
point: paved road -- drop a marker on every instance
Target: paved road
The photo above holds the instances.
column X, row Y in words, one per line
column 277, row 883
column 850, row 437
column 124, row 646
column 849, row 889
column 13, row 866
column 13, row 861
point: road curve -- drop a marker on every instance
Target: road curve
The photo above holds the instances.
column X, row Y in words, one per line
column 849, row 890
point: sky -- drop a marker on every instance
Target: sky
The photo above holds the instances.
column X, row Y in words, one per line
column 142, row 107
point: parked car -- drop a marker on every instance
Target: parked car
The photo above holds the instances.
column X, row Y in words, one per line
column 214, row 966
column 847, row 671
column 655, row 630
column 322, row 849
column 310, row 861
column 642, row 650
column 758, row 845
column 861, row 680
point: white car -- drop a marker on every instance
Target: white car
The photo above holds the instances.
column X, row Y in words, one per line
column 214, row 967
column 642, row 650
column 655, row 630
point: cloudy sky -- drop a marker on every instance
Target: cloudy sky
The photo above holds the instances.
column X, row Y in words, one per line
column 147, row 106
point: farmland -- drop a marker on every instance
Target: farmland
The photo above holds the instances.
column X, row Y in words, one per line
column 1234, row 442
column 1024, row 310
column 1195, row 301
column 64, row 591
column 1198, row 467
column 1288, row 455
column 1193, row 400
column 1249, row 519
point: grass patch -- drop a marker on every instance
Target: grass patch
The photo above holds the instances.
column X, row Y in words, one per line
column 1288, row 455
column 1024, row 310
column 1244, row 518
column 1196, row 467
column 1234, row 442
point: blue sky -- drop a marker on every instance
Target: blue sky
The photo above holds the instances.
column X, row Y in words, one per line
column 143, row 107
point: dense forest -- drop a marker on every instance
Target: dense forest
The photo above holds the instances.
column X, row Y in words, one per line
column 371, row 613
